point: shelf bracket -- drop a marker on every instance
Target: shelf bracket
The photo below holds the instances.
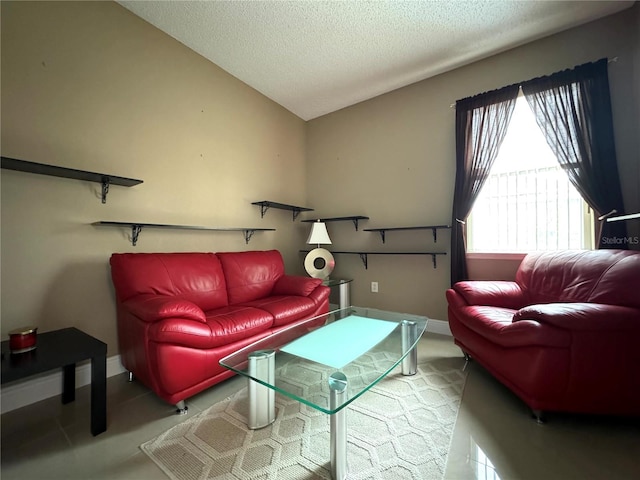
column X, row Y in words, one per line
column 365, row 260
column 433, row 256
column 135, row 232
column 263, row 209
column 435, row 237
column 247, row 235
column 296, row 212
column 355, row 223
column 382, row 235
column 105, row 188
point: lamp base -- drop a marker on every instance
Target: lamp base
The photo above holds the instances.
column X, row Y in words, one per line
column 319, row 263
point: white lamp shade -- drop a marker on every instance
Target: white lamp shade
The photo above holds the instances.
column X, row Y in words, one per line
column 319, row 235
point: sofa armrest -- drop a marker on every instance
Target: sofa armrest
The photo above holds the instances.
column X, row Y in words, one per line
column 491, row 293
column 320, row 294
column 582, row 316
column 151, row 308
column 295, row 285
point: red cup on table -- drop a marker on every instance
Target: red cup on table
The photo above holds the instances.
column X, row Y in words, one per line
column 23, row 339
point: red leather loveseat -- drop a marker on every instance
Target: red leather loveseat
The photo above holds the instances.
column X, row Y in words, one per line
column 564, row 336
column 180, row 313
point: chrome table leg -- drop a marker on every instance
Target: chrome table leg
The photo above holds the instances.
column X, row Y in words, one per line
column 338, row 388
column 409, row 337
column 262, row 407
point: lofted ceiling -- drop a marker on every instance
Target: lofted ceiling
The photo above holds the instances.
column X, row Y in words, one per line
column 314, row 57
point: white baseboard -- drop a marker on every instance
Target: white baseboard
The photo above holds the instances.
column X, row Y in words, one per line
column 439, row 326
column 34, row 389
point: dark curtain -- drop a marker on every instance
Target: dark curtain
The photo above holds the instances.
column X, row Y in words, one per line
column 481, row 125
column 573, row 110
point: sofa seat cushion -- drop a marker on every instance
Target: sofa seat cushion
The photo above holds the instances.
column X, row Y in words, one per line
column 284, row 308
column 223, row 326
column 496, row 325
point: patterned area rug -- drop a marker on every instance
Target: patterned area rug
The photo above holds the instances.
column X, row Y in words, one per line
column 400, row 429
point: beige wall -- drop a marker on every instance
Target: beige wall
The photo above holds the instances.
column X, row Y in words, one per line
column 89, row 85
column 392, row 158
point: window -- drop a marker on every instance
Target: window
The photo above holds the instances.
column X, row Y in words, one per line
column 528, row 203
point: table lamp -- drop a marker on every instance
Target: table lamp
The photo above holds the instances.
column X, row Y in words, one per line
column 319, row 262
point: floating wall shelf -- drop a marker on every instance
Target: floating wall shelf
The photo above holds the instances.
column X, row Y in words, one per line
column 266, row 204
column 353, row 218
column 434, row 228
column 40, row 168
column 364, row 256
column 136, row 228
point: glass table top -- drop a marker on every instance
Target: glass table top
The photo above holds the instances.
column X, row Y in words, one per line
column 363, row 344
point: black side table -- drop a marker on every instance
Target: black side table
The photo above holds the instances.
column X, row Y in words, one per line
column 63, row 349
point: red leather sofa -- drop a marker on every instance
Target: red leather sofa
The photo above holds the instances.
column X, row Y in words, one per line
column 180, row 313
column 563, row 336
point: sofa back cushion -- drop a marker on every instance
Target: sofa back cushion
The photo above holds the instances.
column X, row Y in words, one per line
column 196, row 277
column 251, row 275
column 603, row 276
column 620, row 284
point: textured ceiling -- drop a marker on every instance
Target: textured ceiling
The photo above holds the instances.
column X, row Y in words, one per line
column 314, row 57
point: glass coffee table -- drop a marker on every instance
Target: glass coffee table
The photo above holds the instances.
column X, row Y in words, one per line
column 326, row 363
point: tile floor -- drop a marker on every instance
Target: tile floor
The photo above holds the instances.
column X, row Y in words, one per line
column 494, row 437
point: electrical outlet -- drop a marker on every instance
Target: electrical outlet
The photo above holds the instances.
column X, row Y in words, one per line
column 374, row 287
